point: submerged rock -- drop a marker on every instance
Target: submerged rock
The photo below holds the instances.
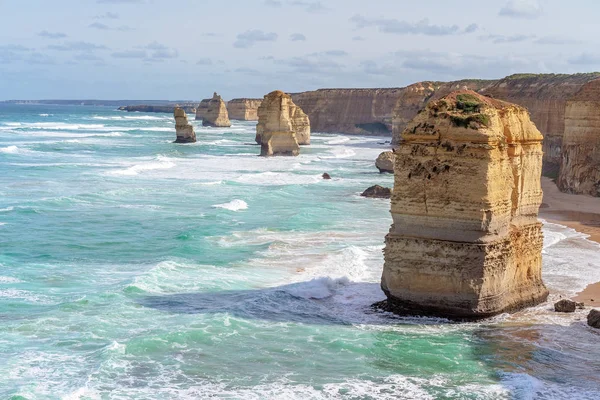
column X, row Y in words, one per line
column 184, row 130
column 465, row 240
column 378, row 192
column 282, row 126
column 385, row 162
column 593, row 319
column 326, row 175
column 216, row 113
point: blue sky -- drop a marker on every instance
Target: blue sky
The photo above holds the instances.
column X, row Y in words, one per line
column 186, row 49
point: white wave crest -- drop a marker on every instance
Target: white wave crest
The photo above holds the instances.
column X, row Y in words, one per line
column 9, row 150
column 160, row 162
column 233, row 205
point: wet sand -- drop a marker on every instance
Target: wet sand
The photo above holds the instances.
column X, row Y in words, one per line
column 579, row 212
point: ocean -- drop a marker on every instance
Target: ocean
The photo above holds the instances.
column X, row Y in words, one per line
column 135, row 268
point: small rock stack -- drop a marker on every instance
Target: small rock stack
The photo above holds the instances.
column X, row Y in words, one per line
column 185, row 130
column 216, row 113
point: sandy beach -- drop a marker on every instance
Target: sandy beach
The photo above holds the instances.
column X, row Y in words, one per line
column 579, row 212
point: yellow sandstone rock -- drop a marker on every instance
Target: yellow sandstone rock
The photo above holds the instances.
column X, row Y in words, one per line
column 282, row 125
column 216, row 113
column 465, row 240
column 184, row 130
column 243, row 109
column 580, row 164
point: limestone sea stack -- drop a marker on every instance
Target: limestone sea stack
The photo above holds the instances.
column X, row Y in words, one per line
column 465, row 242
column 580, row 164
column 216, row 113
column 282, row 126
column 185, row 130
column 385, row 162
column 201, row 109
column 243, row 109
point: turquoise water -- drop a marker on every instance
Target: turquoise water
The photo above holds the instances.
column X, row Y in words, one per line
column 135, row 268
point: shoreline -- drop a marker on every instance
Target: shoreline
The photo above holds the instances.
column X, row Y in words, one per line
column 578, row 212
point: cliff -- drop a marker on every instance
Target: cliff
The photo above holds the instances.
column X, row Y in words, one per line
column 216, row 113
column 545, row 96
column 184, row 130
column 580, row 162
column 243, row 109
column 465, row 240
column 201, row 109
column 282, row 126
column 168, row 108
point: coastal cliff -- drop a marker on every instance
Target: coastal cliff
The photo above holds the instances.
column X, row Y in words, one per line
column 580, row 159
column 216, row 113
column 243, row 109
column 169, row 108
column 465, row 240
column 545, row 96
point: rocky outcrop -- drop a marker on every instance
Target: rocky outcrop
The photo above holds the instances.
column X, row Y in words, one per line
column 565, row 306
column 545, row 96
column 169, row 108
column 243, row 109
column 377, row 192
column 385, row 162
column 326, row 176
column 216, row 113
column 593, row 319
column 202, row 109
column 185, row 130
column 580, row 162
column 282, row 125
column 465, row 240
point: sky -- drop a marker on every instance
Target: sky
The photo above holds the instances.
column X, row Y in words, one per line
column 187, row 49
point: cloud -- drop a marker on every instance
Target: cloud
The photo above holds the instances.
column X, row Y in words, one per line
column 249, row 71
column 87, row 57
column 422, row 27
column 297, row 37
column 99, row 25
column 249, row 38
column 273, row 3
column 160, row 51
column 555, row 40
column 13, row 47
column 522, row 9
column 39, row 59
column 130, row 54
column 52, row 35
column 77, row 46
column 585, row 59
column 506, row 39
column 204, row 61
column 310, row 6
column 321, row 63
column 119, row 1
column 358, row 38
column 107, row 15
column 333, row 53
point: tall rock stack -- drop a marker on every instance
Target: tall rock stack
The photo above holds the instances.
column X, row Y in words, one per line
column 282, row 126
column 185, row 130
column 465, row 240
column 201, row 109
column 216, row 113
column 580, row 164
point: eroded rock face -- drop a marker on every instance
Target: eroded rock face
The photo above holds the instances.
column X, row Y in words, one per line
column 243, row 109
column 201, row 109
column 185, row 130
column 282, row 126
column 465, row 240
column 385, row 162
column 593, row 319
column 216, row 114
column 545, row 96
column 565, row 306
column 377, row 192
column 580, row 164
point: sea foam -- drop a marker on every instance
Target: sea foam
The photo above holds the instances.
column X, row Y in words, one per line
column 233, row 205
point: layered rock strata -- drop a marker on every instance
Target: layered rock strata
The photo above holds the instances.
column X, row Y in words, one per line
column 465, row 240
column 282, row 126
column 580, row 163
column 385, row 162
column 545, row 96
column 167, row 108
column 216, row 113
column 184, row 130
column 243, row 109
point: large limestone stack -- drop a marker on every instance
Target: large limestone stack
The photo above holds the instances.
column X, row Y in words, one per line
column 465, row 240
column 282, row 125
column 185, row 130
column 243, row 109
column 216, row 113
column 580, row 166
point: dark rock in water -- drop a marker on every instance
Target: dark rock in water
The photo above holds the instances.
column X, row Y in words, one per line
column 565, row 306
column 326, row 176
column 593, row 319
column 378, row 192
